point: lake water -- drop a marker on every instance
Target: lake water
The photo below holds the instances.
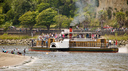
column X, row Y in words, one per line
column 71, row 61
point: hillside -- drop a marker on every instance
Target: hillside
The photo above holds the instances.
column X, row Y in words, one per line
column 113, row 5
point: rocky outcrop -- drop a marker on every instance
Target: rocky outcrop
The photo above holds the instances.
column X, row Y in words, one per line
column 22, row 42
column 115, row 5
column 112, row 6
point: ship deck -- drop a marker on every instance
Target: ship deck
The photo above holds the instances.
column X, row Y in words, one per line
column 82, row 39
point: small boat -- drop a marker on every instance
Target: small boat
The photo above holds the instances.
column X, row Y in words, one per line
column 74, row 44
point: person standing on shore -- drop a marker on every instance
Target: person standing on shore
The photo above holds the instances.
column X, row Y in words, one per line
column 24, row 51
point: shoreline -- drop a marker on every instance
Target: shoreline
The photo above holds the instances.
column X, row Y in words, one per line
column 29, row 42
column 10, row 60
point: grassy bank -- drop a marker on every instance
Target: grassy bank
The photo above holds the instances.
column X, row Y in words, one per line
column 113, row 37
column 6, row 36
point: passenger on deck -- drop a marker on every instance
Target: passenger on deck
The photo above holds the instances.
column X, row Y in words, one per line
column 96, row 36
column 109, row 42
column 92, row 36
column 79, row 35
column 32, row 43
column 47, row 43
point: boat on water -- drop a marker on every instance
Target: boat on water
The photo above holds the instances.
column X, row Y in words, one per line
column 76, row 44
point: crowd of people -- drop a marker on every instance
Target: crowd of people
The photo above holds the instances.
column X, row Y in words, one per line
column 61, row 36
column 51, row 35
column 14, row 51
column 45, row 37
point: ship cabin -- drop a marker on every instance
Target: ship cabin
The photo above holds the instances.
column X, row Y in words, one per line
column 86, row 40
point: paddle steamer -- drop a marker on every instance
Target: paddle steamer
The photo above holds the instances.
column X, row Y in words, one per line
column 76, row 44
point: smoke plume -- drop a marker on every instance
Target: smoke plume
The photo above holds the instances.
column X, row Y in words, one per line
column 82, row 7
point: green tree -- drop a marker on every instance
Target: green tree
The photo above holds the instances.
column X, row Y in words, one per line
column 46, row 17
column 1, row 1
column 87, row 20
column 10, row 14
column 2, row 19
column 28, row 19
column 6, row 6
column 61, row 19
column 102, row 16
column 120, row 17
column 20, row 7
column 42, row 6
column 7, row 25
column 126, row 13
column 67, row 7
column 126, row 23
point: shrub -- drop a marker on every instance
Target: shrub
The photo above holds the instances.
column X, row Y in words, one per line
column 125, row 34
column 127, row 13
column 5, row 34
column 109, row 13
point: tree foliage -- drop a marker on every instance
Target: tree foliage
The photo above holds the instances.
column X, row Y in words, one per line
column 12, row 10
column 42, row 6
column 109, row 13
column 10, row 14
column 6, row 6
column 2, row 19
column 1, row 1
column 102, row 16
column 7, row 25
column 126, row 23
column 126, row 13
column 61, row 21
column 87, row 20
column 20, row 7
column 120, row 17
column 46, row 17
column 28, row 19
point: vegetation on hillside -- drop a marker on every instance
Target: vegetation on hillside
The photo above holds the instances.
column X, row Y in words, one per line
column 58, row 13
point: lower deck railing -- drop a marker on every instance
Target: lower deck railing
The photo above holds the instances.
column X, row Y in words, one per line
column 87, row 44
